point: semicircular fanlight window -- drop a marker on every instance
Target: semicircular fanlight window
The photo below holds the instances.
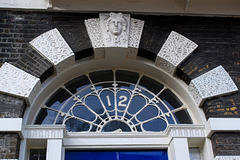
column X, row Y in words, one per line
column 113, row 101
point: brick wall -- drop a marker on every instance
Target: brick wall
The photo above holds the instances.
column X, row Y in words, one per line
column 218, row 39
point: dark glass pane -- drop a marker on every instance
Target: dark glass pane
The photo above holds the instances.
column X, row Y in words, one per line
column 101, row 76
column 58, row 99
column 155, row 125
column 94, row 103
column 37, row 154
column 74, row 125
column 123, row 98
column 151, row 84
column 127, row 76
column 116, row 126
column 107, row 97
column 183, row 117
column 82, row 112
column 60, row 119
column 136, row 104
column 77, row 84
column 147, row 113
column 46, row 116
column 170, row 99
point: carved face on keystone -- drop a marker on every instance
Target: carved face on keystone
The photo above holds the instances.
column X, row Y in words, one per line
column 116, row 24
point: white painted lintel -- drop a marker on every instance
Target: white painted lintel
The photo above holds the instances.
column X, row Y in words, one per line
column 222, row 125
column 10, row 124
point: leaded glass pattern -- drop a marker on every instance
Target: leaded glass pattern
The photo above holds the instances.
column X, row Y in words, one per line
column 113, row 101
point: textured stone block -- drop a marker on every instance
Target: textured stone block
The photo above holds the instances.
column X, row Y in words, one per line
column 94, row 32
column 175, row 50
column 52, row 46
column 17, row 82
column 216, row 82
column 135, row 33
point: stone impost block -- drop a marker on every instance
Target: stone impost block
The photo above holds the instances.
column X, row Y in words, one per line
column 53, row 47
column 216, row 82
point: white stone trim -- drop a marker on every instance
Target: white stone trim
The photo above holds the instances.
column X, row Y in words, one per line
column 175, row 50
column 227, row 158
column 95, row 35
column 185, row 131
column 178, row 149
column 216, row 82
column 17, row 82
column 54, row 149
column 44, row 131
column 135, row 33
column 53, row 47
column 8, row 159
column 222, row 125
column 10, row 124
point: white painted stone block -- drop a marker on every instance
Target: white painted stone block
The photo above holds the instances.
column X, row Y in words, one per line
column 216, row 82
column 10, row 124
column 95, row 35
column 17, row 82
column 136, row 28
column 175, row 49
column 53, row 47
column 222, row 125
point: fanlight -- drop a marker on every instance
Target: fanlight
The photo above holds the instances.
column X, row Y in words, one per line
column 113, row 101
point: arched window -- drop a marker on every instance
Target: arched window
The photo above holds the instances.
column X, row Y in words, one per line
column 113, row 101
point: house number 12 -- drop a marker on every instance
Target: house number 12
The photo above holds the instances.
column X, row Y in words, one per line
column 120, row 103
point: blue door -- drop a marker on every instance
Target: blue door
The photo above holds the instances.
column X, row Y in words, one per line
column 116, row 155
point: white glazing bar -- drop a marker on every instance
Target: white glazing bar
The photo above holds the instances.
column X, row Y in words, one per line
column 54, row 149
column 178, row 149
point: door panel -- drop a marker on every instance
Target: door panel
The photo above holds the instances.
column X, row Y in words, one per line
column 116, row 155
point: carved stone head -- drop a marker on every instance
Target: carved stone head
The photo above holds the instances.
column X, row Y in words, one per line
column 116, row 23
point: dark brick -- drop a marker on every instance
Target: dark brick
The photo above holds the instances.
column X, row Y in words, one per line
column 35, row 64
column 11, row 107
column 226, row 144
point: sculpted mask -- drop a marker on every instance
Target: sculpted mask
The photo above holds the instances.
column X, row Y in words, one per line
column 116, row 23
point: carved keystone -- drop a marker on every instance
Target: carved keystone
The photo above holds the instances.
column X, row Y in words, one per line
column 176, row 49
column 17, row 82
column 114, row 35
column 53, row 47
column 216, row 82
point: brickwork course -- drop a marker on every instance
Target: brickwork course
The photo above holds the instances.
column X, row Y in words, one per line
column 217, row 37
column 226, row 144
column 9, row 144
